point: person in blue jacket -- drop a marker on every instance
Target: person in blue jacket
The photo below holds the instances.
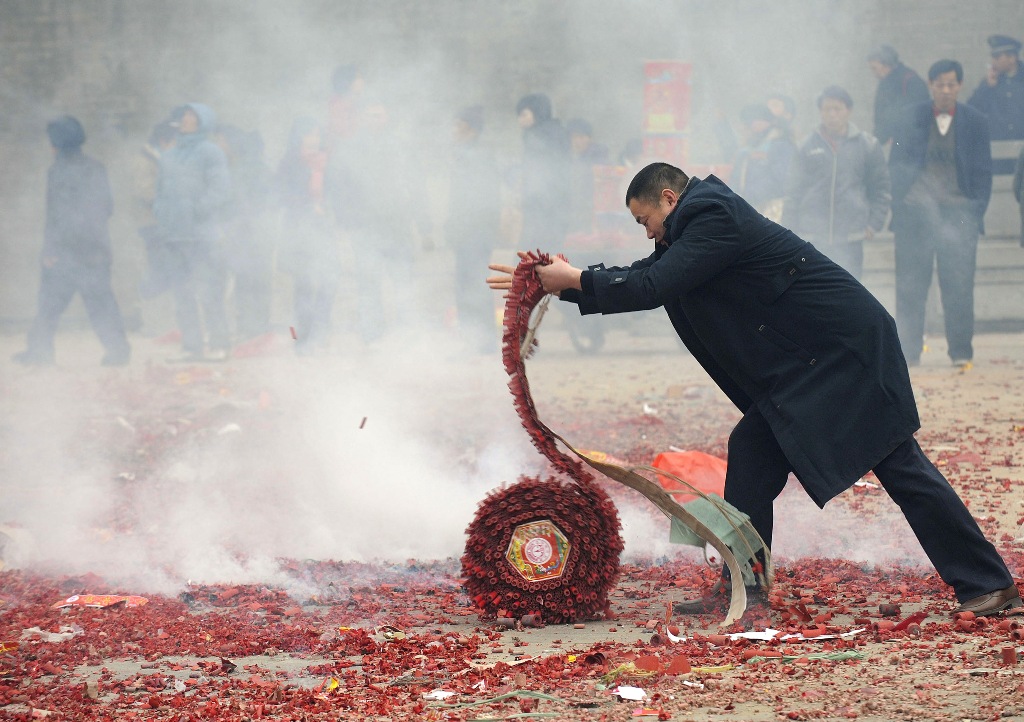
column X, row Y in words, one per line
column 941, row 170
column 193, row 192
column 790, row 337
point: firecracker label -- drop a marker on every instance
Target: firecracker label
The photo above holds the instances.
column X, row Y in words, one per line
column 538, row 550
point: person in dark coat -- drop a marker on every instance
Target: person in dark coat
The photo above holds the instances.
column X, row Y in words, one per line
column 248, row 245
column 545, row 185
column 192, row 192
column 76, row 255
column 360, row 192
column 899, row 87
column 473, row 227
column 309, row 250
column 1000, row 96
column 790, row 337
column 585, row 153
column 762, row 164
column 941, row 169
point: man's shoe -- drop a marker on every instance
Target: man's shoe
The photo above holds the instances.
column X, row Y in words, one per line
column 717, row 600
column 993, row 602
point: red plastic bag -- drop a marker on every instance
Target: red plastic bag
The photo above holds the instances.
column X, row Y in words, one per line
column 703, row 471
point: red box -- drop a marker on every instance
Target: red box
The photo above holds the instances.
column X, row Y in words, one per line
column 666, row 96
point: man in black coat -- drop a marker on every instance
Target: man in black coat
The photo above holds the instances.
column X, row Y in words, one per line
column 941, row 169
column 76, row 254
column 545, row 173
column 1000, row 96
column 899, row 87
column 790, row 337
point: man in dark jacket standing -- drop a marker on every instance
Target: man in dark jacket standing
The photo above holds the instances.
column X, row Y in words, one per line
column 1000, row 96
column 899, row 87
column 473, row 227
column 192, row 192
column 941, row 168
column 545, row 183
column 839, row 186
column 76, row 254
column 790, row 337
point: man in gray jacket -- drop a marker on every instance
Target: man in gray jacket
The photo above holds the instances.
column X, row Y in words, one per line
column 839, row 191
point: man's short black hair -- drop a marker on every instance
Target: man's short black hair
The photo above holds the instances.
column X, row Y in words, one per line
column 648, row 184
column 65, row 132
column 834, row 92
column 941, row 67
column 886, row 55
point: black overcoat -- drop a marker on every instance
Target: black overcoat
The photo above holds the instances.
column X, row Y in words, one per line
column 778, row 326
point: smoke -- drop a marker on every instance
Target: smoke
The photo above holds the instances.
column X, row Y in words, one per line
column 156, row 482
column 213, row 478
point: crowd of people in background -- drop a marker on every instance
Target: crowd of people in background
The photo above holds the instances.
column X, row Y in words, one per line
column 926, row 169
column 220, row 220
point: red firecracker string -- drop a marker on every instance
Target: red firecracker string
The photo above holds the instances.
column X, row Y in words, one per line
column 579, row 508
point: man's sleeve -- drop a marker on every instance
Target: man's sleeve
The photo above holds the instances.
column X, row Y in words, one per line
column 1018, row 179
column 710, row 243
column 585, row 298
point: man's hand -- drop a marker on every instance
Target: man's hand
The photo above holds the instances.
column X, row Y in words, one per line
column 554, row 277
column 504, row 281
column 558, row 276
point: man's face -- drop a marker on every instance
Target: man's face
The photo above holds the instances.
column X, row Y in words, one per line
column 778, row 108
column 189, row 122
column 879, row 69
column 944, row 89
column 758, row 126
column 835, row 116
column 1004, row 62
column 652, row 215
column 526, row 119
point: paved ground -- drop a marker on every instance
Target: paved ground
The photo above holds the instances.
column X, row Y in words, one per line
column 159, row 475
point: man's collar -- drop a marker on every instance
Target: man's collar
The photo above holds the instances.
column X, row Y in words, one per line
column 670, row 218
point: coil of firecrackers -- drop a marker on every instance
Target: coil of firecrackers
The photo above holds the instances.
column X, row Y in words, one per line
column 551, row 547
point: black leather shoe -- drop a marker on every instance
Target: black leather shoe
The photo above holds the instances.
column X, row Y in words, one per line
column 993, row 602
column 717, row 599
